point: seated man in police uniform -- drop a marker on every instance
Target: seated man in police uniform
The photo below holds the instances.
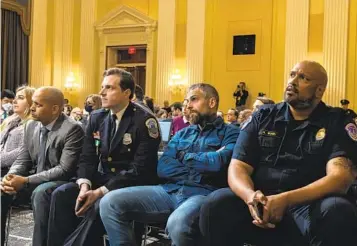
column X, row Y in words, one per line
column 292, row 165
column 350, row 112
column 120, row 150
column 194, row 164
column 52, row 145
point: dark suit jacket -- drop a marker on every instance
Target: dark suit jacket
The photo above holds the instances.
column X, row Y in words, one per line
column 63, row 148
column 131, row 158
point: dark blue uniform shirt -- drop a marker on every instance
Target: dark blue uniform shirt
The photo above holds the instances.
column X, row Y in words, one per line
column 196, row 161
column 287, row 154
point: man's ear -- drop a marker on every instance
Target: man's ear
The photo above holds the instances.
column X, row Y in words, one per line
column 320, row 91
column 212, row 102
column 56, row 109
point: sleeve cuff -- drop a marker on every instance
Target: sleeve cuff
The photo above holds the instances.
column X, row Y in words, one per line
column 104, row 189
column 84, row 181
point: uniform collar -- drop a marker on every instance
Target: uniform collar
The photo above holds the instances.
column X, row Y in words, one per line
column 315, row 118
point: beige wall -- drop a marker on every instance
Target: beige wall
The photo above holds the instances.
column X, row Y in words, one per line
column 224, row 18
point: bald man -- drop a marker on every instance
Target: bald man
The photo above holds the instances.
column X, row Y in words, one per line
column 291, row 167
column 52, row 146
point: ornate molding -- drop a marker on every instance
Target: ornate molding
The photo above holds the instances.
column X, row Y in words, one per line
column 22, row 10
column 127, row 26
column 124, row 17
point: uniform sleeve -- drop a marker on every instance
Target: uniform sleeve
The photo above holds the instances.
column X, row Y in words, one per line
column 216, row 161
column 169, row 167
column 247, row 148
column 345, row 141
column 143, row 167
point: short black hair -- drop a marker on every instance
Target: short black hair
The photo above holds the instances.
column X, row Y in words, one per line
column 7, row 93
column 149, row 102
column 208, row 90
column 177, row 105
column 126, row 79
column 344, row 102
column 139, row 93
column 236, row 113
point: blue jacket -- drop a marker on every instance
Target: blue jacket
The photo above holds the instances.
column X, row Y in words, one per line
column 196, row 161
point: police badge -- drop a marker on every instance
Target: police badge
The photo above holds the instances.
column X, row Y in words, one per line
column 127, row 139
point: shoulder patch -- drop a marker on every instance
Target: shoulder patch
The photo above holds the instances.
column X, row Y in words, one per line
column 153, row 128
column 351, row 130
column 246, row 123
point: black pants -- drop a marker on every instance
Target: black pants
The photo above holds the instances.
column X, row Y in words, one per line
column 38, row 194
column 225, row 220
column 65, row 228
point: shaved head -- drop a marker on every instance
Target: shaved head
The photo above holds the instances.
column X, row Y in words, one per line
column 306, row 85
column 51, row 95
column 317, row 69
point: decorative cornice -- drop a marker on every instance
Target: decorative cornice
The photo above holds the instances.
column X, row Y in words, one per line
column 22, row 10
column 134, row 18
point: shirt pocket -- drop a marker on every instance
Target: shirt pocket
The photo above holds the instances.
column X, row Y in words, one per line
column 269, row 146
column 314, row 147
column 213, row 145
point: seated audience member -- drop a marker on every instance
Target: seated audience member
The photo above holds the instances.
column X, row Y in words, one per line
column 176, row 109
column 92, row 102
column 194, row 164
column 7, row 97
column 291, row 167
column 232, row 116
column 167, row 107
column 149, row 102
column 261, row 101
column 120, row 150
column 12, row 137
column 244, row 116
column 350, row 112
column 77, row 115
column 67, row 109
column 180, row 122
column 220, row 114
column 162, row 114
column 52, row 143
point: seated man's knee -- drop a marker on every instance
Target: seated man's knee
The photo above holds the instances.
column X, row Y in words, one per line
column 177, row 227
column 109, row 204
column 219, row 200
column 334, row 209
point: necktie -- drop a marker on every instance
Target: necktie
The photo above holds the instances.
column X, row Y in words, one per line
column 42, row 152
column 113, row 126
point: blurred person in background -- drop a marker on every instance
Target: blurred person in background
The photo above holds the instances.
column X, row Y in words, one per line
column 12, row 137
column 261, row 101
column 7, row 96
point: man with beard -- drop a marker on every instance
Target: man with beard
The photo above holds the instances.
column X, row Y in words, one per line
column 292, row 165
column 194, row 164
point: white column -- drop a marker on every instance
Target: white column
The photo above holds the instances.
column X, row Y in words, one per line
column 165, row 49
column 63, row 35
column 297, row 30
column 335, row 42
column 195, row 40
column 87, row 79
column 38, row 44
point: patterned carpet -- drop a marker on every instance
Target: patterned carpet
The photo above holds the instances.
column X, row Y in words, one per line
column 21, row 228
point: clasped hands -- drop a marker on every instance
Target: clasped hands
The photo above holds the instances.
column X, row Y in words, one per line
column 86, row 198
column 274, row 207
column 12, row 183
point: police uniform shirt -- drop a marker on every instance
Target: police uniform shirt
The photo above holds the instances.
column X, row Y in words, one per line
column 288, row 154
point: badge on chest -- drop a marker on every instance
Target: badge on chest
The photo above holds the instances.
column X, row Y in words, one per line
column 127, row 139
column 320, row 134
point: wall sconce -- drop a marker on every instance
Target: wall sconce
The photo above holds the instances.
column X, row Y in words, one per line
column 177, row 84
column 71, row 82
